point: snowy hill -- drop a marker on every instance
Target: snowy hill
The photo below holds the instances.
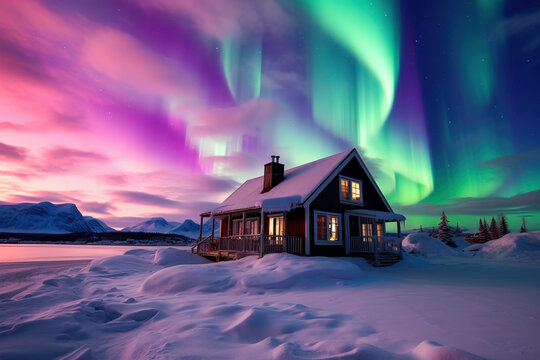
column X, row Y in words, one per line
column 46, row 217
column 423, row 244
column 513, row 246
column 188, row 228
column 153, row 225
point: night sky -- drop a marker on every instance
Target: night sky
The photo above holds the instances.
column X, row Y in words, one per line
column 133, row 109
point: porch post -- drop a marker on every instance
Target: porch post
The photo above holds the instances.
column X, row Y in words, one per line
column 200, row 229
column 261, row 243
column 375, row 241
column 285, row 233
column 229, row 230
column 399, row 237
column 213, row 225
column 243, row 230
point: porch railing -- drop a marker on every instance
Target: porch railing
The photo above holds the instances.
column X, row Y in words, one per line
column 366, row 244
column 240, row 243
column 280, row 243
column 250, row 244
column 203, row 245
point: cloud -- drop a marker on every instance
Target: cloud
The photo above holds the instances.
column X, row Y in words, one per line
column 41, row 196
column 6, row 125
column 510, row 161
column 244, row 119
column 69, row 154
column 525, row 26
column 12, row 153
column 517, row 204
column 120, row 57
column 62, row 159
column 96, row 207
column 142, row 198
column 222, row 19
column 114, row 179
column 17, row 174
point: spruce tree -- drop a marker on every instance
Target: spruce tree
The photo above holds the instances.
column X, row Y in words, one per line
column 444, row 231
column 480, row 227
column 523, row 225
column 458, row 230
column 421, row 229
column 494, row 229
column 503, row 225
column 487, row 235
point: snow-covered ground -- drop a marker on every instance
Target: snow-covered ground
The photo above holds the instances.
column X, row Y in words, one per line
column 170, row 304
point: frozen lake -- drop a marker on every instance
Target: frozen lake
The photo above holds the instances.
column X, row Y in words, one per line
column 60, row 252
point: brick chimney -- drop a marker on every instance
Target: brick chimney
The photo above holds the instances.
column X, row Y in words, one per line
column 274, row 172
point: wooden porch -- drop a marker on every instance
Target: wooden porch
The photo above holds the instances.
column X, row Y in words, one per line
column 238, row 246
column 378, row 251
column 252, row 232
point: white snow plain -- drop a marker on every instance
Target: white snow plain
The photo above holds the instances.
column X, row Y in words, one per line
column 171, row 304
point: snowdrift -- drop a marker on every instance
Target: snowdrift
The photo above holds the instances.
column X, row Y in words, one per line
column 513, row 246
column 169, row 303
column 423, row 244
column 274, row 271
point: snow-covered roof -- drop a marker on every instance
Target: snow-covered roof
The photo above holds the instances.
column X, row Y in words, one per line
column 380, row 215
column 298, row 183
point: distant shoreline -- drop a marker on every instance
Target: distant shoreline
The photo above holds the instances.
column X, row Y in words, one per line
column 108, row 238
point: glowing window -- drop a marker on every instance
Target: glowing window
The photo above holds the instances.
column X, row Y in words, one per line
column 344, row 188
column 333, row 228
column 276, row 226
column 328, row 228
column 356, row 196
column 380, row 230
column 350, row 190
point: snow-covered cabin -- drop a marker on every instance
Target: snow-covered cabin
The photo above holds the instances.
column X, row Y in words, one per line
column 328, row 207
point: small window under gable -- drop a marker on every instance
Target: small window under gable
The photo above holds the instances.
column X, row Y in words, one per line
column 350, row 190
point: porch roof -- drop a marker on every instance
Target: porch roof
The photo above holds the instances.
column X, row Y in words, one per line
column 381, row 215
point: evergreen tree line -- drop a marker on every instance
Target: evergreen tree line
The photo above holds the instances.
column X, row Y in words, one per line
column 496, row 230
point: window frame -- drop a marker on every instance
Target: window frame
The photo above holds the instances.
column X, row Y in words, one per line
column 351, row 201
column 249, row 220
column 282, row 223
column 340, row 225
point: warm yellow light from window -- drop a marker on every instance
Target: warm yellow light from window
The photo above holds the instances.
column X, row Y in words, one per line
column 356, row 191
column 344, row 188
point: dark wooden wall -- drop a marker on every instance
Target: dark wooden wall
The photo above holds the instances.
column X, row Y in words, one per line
column 328, row 201
column 295, row 222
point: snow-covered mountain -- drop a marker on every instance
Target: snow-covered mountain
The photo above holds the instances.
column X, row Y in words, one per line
column 153, row 225
column 190, row 228
column 97, row 225
column 46, row 217
column 187, row 228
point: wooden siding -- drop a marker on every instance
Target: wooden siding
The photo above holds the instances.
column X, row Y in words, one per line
column 295, row 222
column 224, row 227
column 328, row 200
